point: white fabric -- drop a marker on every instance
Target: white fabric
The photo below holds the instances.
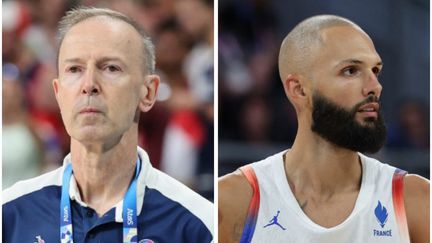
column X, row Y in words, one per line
column 276, row 195
column 196, row 67
column 21, row 158
column 179, row 155
column 21, row 188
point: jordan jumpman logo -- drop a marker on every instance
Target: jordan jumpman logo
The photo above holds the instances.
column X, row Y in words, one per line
column 274, row 221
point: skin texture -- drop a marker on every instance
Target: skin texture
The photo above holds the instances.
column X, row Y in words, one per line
column 234, row 196
column 101, row 90
column 325, row 178
column 417, row 207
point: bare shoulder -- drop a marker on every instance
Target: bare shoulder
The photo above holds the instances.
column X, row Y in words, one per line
column 235, row 194
column 416, row 198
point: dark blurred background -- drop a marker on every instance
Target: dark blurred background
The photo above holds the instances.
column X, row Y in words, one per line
column 177, row 133
column 255, row 117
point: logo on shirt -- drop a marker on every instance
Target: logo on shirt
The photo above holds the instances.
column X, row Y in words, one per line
column 66, row 214
column 39, row 239
column 274, row 221
column 129, row 216
column 381, row 215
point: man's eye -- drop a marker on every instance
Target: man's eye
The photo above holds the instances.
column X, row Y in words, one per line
column 349, row 71
column 112, row 68
column 74, row 69
column 376, row 71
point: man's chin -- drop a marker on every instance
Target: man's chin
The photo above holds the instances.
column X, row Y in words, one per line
column 369, row 122
column 89, row 134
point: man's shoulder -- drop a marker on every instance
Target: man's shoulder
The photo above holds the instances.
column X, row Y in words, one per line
column 416, row 198
column 416, row 189
column 175, row 191
column 31, row 208
column 235, row 190
column 416, row 185
column 234, row 183
column 33, row 185
column 235, row 194
column 162, row 189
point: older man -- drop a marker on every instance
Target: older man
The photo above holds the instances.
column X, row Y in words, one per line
column 107, row 190
column 323, row 189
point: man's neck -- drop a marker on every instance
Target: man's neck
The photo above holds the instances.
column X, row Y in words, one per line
column 103, row 174
column 316, row 166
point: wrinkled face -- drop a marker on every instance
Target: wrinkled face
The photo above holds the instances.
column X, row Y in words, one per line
column 100, row 79
column 345, row 100
column 346, row 70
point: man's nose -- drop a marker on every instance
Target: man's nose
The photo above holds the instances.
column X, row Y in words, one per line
column 90, row 84
column 372, row 86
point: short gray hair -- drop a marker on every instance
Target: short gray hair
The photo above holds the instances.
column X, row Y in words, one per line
column 80, row 14
column 296, row 49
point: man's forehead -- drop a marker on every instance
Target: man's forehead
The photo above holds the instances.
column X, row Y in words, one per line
column 338, row 31
column 102, row 25
column 347, row 44
column 104, row 34
column 360, row 61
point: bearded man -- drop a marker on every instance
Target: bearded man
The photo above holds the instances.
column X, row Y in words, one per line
column 324, row 189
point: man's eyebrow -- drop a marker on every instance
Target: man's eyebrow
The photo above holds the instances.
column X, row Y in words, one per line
column 73, row 60
column 356, row 61
column 108, row 58
column 100, row 60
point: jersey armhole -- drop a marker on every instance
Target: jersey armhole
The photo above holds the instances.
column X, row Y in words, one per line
column 252, row 215
column 399, row 205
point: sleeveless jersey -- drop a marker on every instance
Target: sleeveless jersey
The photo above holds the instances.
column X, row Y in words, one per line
column 275, row 216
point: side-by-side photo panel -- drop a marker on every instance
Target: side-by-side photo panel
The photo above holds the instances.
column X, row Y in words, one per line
column 108, row 121
column 323, row 121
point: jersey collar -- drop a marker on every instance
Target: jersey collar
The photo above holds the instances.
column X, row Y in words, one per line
column 144, row 174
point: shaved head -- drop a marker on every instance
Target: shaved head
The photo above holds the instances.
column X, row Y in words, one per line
column 297, row 49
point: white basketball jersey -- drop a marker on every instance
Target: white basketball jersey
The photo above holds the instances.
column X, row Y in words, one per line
column 275, row 215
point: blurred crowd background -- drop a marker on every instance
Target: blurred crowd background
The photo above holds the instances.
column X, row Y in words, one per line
column 177, row 133
column 255, row 117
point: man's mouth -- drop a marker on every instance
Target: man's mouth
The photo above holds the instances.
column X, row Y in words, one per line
column 89, row 110
column 369, row 110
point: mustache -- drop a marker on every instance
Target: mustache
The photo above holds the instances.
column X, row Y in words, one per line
column 369, row 99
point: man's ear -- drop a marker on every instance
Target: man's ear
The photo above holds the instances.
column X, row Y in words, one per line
column 55, row 84
column 294, row 88
column 149, row 92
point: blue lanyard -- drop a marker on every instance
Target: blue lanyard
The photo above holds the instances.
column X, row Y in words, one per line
column 130, row 232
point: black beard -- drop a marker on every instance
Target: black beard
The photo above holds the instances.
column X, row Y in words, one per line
column 339, row 126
